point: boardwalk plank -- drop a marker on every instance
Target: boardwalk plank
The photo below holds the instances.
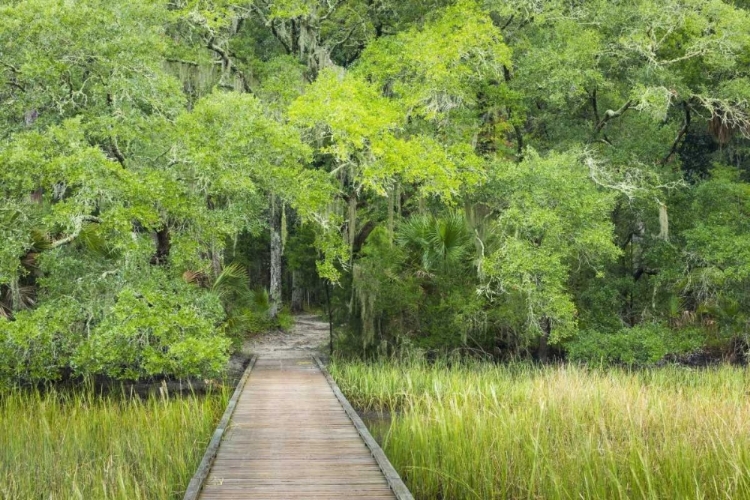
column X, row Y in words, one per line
column 289, row 437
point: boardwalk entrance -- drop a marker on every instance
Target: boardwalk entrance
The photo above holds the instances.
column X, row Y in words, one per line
column 290, row 437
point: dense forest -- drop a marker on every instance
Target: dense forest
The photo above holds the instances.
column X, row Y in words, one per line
column 529, row 178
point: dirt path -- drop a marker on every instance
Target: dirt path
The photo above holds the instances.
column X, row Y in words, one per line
column 308, row 336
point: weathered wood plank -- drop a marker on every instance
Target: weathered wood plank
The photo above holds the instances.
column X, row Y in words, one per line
column 196, row 483
column 291, row 437
column 394, row 480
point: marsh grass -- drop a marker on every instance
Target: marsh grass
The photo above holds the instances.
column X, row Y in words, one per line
column 78, row 445
column 483, row 431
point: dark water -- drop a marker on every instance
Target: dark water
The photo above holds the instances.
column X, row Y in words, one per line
column 377, row 422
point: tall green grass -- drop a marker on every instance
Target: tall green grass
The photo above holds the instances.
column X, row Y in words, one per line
column 482, row 431
column 77, row 445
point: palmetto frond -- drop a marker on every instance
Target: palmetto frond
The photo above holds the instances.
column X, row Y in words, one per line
column 233, row 279
column 415, row 237
column 231, row 272
column 260, row 299
column 16, row 297
column 436, row 243
column 452, row 238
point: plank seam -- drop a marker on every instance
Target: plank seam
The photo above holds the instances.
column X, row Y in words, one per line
column 196, row 483
column 394, row 480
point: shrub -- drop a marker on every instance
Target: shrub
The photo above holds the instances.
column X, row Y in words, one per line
column 639, row 345
column 155, row 333
column 38, row 345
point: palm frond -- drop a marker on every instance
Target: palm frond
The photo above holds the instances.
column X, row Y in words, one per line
column 92, row 239
column 435, row 242
column 40, row 241
column 229, row 277
column 261, row 301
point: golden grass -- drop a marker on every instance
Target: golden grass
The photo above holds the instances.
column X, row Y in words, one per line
column 76, row 445
column 482, row 431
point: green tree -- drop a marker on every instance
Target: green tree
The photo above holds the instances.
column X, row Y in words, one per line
column 552, row 220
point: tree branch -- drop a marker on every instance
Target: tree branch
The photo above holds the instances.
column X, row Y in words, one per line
column 610, row 114
column 278, row 36
column 211, row 45
column 77, row 232
column 117, row 153
column 510, row 20
column 183, row 61
column 508, row 76
column 331, row 9
column 680, row 134
column 15, row 72
column 595, row 106
column 10, row 67
column 343, row 40
column 227, row 65
column 519, row 141
column 642, row 270
column 597, row 119
column 16, row 85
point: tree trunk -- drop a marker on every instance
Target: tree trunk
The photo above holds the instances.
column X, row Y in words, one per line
column 391, row 209
column 397, row 200
column 217, row 260
column 297, row 293
column 275, row 287
column 543, row 352
column 163, row 245
column 352, row 204
column 352, row 234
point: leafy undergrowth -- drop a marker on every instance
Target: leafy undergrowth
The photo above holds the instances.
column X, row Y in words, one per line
column 482, row 431
column 77, row 445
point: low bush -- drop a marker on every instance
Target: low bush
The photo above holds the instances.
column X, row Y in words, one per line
column 637, row 346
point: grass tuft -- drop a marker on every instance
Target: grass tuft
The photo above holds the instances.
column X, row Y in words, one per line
column 69, row 445
column 478, row 430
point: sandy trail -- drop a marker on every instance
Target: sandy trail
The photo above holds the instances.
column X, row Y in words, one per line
column 307, row 337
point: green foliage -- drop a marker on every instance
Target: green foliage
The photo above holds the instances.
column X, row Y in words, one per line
column 468, row 174
column 719, row 241
column 40, row 344
column 285, row 320
column 422, row 285
column 150, row 334
column 553, row 219
column 152, row 330
column 100, row 59
column 640, row 345
column 433, row 244
column 382, row 291
column 358, row 128
column 436, row 68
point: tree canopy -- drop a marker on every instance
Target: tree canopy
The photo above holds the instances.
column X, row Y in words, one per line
column 551, row 178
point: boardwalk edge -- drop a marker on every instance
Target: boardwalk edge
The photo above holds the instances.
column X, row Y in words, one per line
column 394, row 480
column 196, row 483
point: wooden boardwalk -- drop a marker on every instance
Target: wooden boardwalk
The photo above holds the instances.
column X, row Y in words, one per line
column 292, row 435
